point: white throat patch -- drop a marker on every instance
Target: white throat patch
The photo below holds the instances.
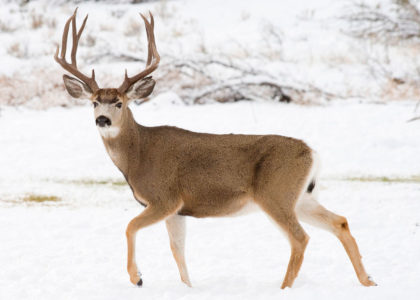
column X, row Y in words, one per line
column 109, row 131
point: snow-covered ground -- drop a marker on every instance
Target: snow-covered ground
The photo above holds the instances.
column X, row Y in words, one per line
column 75, row 247
column 79, row 252
column 64, row 205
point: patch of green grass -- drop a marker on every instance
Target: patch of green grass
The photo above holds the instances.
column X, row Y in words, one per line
column 386, row 179
column 31, row 198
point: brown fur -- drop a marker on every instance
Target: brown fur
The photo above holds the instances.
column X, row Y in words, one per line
column 107, row 96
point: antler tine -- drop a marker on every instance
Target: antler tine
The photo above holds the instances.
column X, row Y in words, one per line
column 148, row 25
column 72, row 66
column 153, row 57
column 65, row 35
column 82, row 27
column 153, row 43
column 75, row 41
column 156, row 54
column 76, row 36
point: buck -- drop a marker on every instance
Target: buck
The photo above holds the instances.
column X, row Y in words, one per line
column 176, row 173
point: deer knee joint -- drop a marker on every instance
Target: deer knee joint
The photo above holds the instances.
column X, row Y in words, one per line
column 305, row 242
column 301, row 243
column 344, row 225
column 341, row 226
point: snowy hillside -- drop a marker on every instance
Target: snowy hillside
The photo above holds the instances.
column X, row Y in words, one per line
column 300, row 46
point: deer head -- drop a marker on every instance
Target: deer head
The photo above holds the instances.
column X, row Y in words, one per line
column 110, row 104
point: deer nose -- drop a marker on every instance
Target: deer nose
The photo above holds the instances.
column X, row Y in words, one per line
column 102, row 121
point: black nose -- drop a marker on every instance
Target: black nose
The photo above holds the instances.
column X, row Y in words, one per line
column 102, row 121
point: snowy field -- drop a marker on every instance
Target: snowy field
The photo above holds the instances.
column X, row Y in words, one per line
column 74, row 247
column 64, row 206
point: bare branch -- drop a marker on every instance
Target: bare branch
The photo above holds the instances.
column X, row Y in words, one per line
column 413, row 119
column 389, row 22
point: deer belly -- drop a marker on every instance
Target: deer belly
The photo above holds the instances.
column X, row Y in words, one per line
column 232, row 208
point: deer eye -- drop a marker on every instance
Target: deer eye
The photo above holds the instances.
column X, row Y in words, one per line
column 95, row 104
column 119, row 104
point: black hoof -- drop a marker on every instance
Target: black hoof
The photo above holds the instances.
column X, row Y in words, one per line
column 140, row 283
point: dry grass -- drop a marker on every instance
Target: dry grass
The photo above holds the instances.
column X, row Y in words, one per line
column 41, row 20
column 34, row 198
column 39, row 90
column 6, row 27
column 395, row 89
column 133, row 27
column 107, row 27
column 386, row 179
column 177, row 32
column 18, row 50
column 89, row 40
column 89, row 182
column 37, row 21
column 164, row 10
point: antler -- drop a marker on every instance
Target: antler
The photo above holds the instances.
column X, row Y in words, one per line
column 153, row 57
column 72, row 67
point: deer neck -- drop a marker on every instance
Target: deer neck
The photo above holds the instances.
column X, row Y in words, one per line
column 126, row 145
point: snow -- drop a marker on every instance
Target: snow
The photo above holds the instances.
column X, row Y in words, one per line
column 75, row 248
column 79, row 252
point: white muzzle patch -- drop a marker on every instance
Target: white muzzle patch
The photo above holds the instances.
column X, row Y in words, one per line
column 109, row 131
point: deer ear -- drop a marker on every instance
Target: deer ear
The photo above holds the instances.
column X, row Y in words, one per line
column 76, row 88
column 141, row 89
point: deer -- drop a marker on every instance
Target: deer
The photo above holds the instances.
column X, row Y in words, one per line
column 175, row 173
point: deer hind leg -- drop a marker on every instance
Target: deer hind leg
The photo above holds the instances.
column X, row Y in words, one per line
column 311, row 212
column 176, row 230
column 148, row 217
column 286, row 219
column 298, row 241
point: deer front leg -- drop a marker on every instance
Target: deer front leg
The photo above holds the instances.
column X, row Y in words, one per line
column 176, row 230
column 151, row 215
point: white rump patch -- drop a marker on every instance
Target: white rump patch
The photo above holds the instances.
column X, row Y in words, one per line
column 109, row 131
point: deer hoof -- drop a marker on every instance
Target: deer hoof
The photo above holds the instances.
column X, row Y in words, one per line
column 373, row 283
column 369, row 282
column 140, row 283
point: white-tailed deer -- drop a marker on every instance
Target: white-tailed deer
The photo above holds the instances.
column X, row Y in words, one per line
column 176, row 173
